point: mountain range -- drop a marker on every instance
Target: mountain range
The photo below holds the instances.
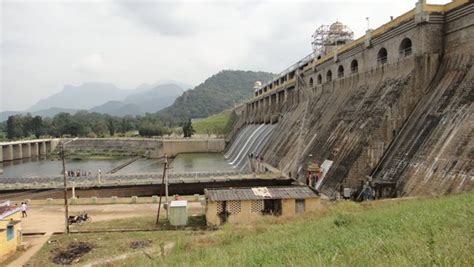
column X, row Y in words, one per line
column 217, row 93
column 168, row 100
column 106, row 98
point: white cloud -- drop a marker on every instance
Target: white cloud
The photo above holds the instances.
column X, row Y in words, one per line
column 45, row 45
column 92, row 64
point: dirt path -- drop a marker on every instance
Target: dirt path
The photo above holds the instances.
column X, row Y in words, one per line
column 36, row 242
column 50, row 219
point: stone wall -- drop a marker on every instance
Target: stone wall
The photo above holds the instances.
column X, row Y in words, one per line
column 132, row 146
column 153, row 148
column 175, row 147
column 433, row 153
column 356, row 120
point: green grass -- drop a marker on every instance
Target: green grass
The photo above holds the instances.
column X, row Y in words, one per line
column 214, row 124
column 419, row 232
column 415, row 232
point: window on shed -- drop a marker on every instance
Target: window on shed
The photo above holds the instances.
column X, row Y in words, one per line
column 405, row 47
column 329, row 76
column 340, row 71
column 354, row 66
column 299, row 205
column 256, row 206
column 382, row 56
column 233, row 206
column 10, row 232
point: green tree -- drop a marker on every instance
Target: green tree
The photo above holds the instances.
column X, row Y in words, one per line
column 26, row 121
column 188, row 130
column 14, row 127
column 37, row 126
column 112, row 125
column 100, row 128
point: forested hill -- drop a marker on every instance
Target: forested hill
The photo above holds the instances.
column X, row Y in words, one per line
column 217, row 93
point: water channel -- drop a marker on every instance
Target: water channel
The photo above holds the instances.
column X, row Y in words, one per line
column 41, row 167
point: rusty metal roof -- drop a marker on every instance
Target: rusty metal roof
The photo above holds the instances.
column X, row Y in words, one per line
column 281, row 192
column 7, row 210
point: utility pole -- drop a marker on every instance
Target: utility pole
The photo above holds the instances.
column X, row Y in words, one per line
column 161, row 189
column 66, row 206
column 166, row 192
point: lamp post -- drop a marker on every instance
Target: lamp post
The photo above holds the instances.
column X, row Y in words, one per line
column 66, row 207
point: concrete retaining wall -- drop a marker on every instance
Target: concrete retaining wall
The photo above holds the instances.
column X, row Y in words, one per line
column 175, row 147
column 153, row 148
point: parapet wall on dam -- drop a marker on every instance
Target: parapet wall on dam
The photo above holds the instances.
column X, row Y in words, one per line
column 378, row 107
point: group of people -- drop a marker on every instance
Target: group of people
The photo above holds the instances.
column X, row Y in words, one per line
column 78, row 173
column 258, row 158
column 259, row 167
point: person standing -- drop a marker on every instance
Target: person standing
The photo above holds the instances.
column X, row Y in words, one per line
column 23, row 210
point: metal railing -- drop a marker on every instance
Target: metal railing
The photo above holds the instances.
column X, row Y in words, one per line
column 294, row 66
column 405, row 52
column 382, row 60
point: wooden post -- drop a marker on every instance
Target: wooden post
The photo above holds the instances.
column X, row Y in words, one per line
column 161, row 189
column 66, row 208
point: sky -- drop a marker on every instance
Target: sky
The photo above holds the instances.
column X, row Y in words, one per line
column 45, row 45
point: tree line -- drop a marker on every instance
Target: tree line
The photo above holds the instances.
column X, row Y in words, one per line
column 86, row 124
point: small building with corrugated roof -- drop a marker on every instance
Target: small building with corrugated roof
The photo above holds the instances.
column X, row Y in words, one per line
column 10, row 229
column 245, row 205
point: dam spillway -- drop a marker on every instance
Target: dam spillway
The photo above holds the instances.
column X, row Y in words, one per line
column 249, row 141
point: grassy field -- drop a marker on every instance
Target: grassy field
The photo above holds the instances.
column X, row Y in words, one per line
column 215, row 124
column 409, row 232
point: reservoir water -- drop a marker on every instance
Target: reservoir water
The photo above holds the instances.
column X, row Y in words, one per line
column 41, row 167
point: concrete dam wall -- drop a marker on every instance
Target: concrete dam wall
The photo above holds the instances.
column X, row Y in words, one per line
column 376, row 107
column 153, row 148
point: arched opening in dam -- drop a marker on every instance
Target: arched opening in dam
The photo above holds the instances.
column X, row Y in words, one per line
column 329, row 76
column 340, row 71
column 354, row 66
column 405, row 47
column 382, row 56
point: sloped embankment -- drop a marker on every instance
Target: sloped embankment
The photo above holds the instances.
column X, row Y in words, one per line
column 434, row 152
column 350, row 122
column 418, row 232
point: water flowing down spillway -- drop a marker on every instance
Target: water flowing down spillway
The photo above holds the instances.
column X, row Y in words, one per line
column 250, row 140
